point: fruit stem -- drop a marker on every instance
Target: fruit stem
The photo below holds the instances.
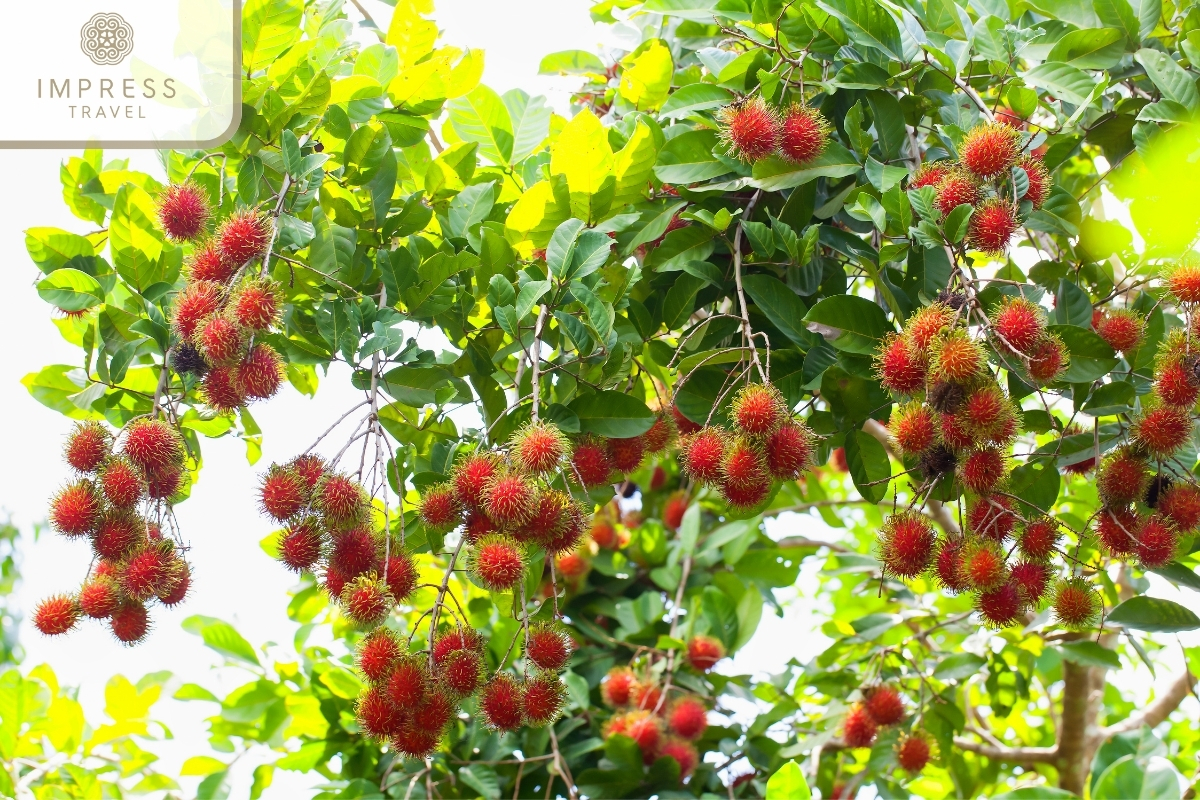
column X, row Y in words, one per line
column 747, row 331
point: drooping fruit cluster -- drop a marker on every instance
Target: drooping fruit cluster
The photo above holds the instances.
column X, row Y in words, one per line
column 121, row 501
column 764, row 445
column 222, row 309
column 659, row 725
column 994, row 178
column 330, row 528
column 753, row 130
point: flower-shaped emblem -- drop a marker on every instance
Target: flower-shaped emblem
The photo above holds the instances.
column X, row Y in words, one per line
column 106, row 39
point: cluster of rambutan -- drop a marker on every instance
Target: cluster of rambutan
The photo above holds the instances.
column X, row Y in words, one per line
column 660, row 727
column 412, row 697
column 331, row 527
column 221, row 310
column 753, row 130
column 881, row 707
column 116, row 503
column 959, row 424
column 767, row 443
column 981, row 179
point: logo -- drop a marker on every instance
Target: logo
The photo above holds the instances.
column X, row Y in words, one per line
column 106, row 39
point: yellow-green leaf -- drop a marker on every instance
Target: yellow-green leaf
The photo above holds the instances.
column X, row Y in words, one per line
column 355, row 87
column 201, row 765
column 646, row 81
column 269, row 27
column 582, row 155
column 537, row 214
column 634, row 166
column 411, row 34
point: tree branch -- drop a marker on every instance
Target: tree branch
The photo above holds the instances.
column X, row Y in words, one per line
column 1009, row 755
column 1153, row 714
column 934, row 508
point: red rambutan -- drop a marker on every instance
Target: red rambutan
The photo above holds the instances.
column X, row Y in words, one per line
column 198, row 301
column 548, row 647
column 300, row 545
column 981, row 565
column 626, row 455
column 1048, row 360
column 366, row 600
column 1122, row 328
column 400, row 573
column 673, row 511
column 334, row 581
column 983, row 470
column 1181, row 505
column 543, row 699
column 913, row 752
column 261, row 372
column 153, row 444
column 703, row 652
column 508, row 499
column 1156, row 544
column 1176, row 385
column 222, row 391
column 149, row 571
column 121, row 483
column 440, row 509
column 174, row 591
column 500, row 703
column 1122, row 478
column 758, row 409
column 377, row 654
column 925, row 326
column 88, row 446
column 220, row 340
column 310, row 467
column 243, row 236
column 616, row 687
column 572, row 565
column 354, row 552
column 946, row 565
column 750, row 129
column 461, row 672
column 1076, row 603
column 688, row 717
column 183, row 211
column 56, row 615
column 75, row 509
column 660, row 436
column 117, row 533
column 859, row 728
column 339, row 499
column 538, row 448
column 165, row 483
column 1039, row 179
column 1038, row 539
column 804, row 134
column 884, row 705
column 682, row 423
column 1162, row 430
column 256, row 305
column 408, row 682
column 207, row 265
column 281, row 494
column 989, row 149
column 906, row 544
column 130, row 623
column 1019, row 323
column 957, row 188
column 683, row 753
column 1000, row 607
column 646, row 731
column 955, row 357
column 991, row 516
column 477, row 526
column 604, row 534
column 377, row 716
column 929, row 174
column 913, row 428
column 1183, row 280
column 1117, row 529
column 591, row 464
column 790, row 451
column 898, row 367
column 703, row 454
column 992, row 226
column 1031, row 578
column 497, row 563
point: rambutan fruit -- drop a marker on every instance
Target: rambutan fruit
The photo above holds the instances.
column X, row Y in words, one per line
column 549, row 518
column 751, row 130
column 121, row 482
column 243, row 236
column 88, row 445
column 859, row 728
column 207, row 265
column 377, row 717
column 548, row 647
column 626, row 455
column 703, row 652
column 660, row 435
column 148, row 571
column 981, row 565
column 354, row 552
column 497, row 563
column 260, row 374
column 646, row 695
column 954, row 434
column 399, row 572
column 461, row 672
column 1181, row 505
column 683, row 753
column 590, row 462
column 884, row 705
column 1000, row 607
column 1039, row 538
column 936, row 462
column 130, row 622
column 673, row 510
column 913, row 429
column 339, row 499
column 153, row 444
column 983, row 470
column 646, row 731
column 682, row 423
column 185, row 359
column 790, row 451
column 984, row 411
column 220, row 340
column 377, row 654
column 99, row 597
column 913, row 751
column 1122, row 328
column 687, row 717
column 117, row 533
column 1019, row 323
column 1176, row 385
column 366, row 600
column 455, row 640
column 542, row 699
column 433, row 715
column 1040, row 182
column 414, row 742
column 197, row 302
column 1076, row 603
column 255, row 305
column 572, row 565
column 946, row 565
column 1162, row 430
column 758, row 409
column 1031, row 578
column 989, row 149
column 1117, row 529
column 408, row 681
column 955, row 357
column 744, row 465
column 538, row 448
column 604, row 534
column 991, row 516
column 925, row 326
column 929, row 174
column 906, row 544
column 281, row 493
column 804, row 134
column 310, row 468
column 334, row 581
column 992, row 226
column 1048, row 360
column 56, row 615
column 300, row 545
column 616, row 687
column 500, row 703
column 1157, row 541
column 75, row 510
column 1183, row 280
column 183, row 211
column 702, row 455
column 440, row 509
column 165, row 483
column 174, row 592
column 898, row 367
column 509, row 499
column 1122, row 478
column 957, row 188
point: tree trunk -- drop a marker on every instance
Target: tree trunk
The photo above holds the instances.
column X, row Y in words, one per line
column 1083, row 691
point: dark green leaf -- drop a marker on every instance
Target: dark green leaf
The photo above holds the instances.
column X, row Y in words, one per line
column 612, row 414
column 1154, row 614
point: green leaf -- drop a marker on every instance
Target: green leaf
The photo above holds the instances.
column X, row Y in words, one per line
column 781, row 305
column 571, row 62
column 1154, row 614
column 1118, row 14
column 70, row 290
column 958, row 666
column 695, row 97
column 867, row 23
column 850, row 314
column 869, row 465
column 1111, row 398
column 1094, row 48
column 269, row 27
column 332, row 249
column 1180, row 575
column 689, row 158
column 482, row 779
column 774, row 173
column 52, row 248
column 222, row 637
column 530, row 117
column 612, row 414
column 1063, row 80
column 1037, row 793
column 1127, row 779
column 957, row 221
column 646, row 76
column 1091, row 357
column 1171, row 79
column 1090, row 654
column 788, row 783
column 482, row 117
column 136, row 246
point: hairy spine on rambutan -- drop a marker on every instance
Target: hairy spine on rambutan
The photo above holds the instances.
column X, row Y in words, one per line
column 926, row 325
column 543, row 699
column 1031, row 579
column 1122, row 478
column 955, row 357
column 858, row 729
column 366, row 600
column 260, row 374
column 957, row 188
column 508, row 499
column 399, row 572
column 913, row 429
column 377, row 716
column 99, row 597
column 440, row 509
column 206, row 265
column 992, row 226
column 354, row 551
column 1000, row 607
column 255, row 305
column 300, row 545
column 758, row 409
column 461, row 672
column 929, row 174
column 129, row 623
column 989, row 149
column 75, row 510
column 804, row 134
column 1183, row 279
column 906, row 544
column 590, row 464
column 885, row 705
column 1181, row 504
column 148, row 571
column 688, row 717
column 538, row 448
column 183, row 211
column 751, row 129
column 985, row 411
column 703, row 652
column 243, row 236
column 1019, row 323
column 1039, row 538
column 88, row 446
column 1076, row 603
column 1048, row 360
column 1122, row 328
column 56, row 615
column 683, row 753
column 121, row 482
column 983, row 470
column 674, row 509
column 790, row 451
column 281, row 493
column 946, row 565
column 1157, row 542
column 174, row 592
column 340, row 500
column 198, row 301
column 702, row 454
column 220, row 340
column 1040, row 182
column 497, row 563
column 500, row 703
column 1176, row 384
column 153, row 444
column 900, row 369
column 1162, row 430
column 981, row 564
column 548, row 647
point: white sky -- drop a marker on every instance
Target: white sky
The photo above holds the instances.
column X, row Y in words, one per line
column 234, row 579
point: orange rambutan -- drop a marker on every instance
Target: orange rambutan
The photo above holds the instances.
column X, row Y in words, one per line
column 1076, row 603
column 989, row 149
column 750, row 129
